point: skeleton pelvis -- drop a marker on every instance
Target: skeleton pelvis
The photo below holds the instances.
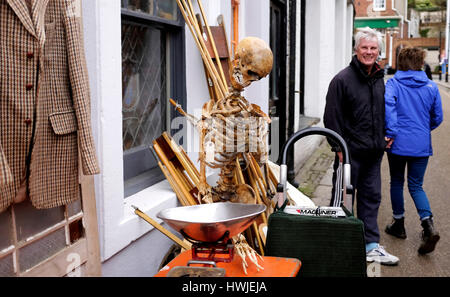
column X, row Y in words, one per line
column 239, row 194
column 245, row 194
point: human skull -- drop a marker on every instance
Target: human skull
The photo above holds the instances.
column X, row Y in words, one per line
column 252, row 61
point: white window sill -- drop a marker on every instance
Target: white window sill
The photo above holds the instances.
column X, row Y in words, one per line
column 122, row 226
column 147, row 201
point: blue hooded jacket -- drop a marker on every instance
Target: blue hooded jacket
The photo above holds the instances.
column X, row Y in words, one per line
column 413, row 109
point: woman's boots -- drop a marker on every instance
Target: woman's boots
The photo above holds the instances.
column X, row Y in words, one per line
column 429, row 234
column 429, row 237
column 397, row 228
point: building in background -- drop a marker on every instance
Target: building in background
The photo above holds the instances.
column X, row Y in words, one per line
column 430, row 24
column 404, row 23
column 389, row 17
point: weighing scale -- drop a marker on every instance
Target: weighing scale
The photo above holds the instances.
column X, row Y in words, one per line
column 210, row 227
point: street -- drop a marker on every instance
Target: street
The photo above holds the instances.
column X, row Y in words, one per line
column 316, row 175
column 436, row 185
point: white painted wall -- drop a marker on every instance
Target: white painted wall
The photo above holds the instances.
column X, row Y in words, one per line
column 340, row 31
column 329, row 31
column 254, row 18
column 349, row 34
column 320, row 54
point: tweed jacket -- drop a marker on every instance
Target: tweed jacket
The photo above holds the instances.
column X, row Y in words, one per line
column 44, row 102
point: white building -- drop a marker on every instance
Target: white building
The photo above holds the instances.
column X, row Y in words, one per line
column 126, row 42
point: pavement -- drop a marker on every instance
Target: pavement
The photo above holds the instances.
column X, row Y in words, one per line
column 314, row 179
column 315, row 175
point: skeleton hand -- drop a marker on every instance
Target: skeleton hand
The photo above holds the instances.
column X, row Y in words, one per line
column 244, row 250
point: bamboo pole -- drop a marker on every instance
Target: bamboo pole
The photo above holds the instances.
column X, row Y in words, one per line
column 258, row 198
column 211, row 87
column 272, row 176
column 211, row 40
column 175, row 187
column 193, row 27
column 202, row 157
column 273, row 187
column 258, row 238
column 191, row 171
column 257, row 179
column 258, row 170
column 240, row 176
column 161, row 228
column 190, row 21
column 222, row 84
column 169, row 178
column 175, row 175
column 178, row 108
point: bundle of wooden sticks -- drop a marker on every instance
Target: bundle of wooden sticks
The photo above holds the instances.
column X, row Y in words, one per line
column 201, row 38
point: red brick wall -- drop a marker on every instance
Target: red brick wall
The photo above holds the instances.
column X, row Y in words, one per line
column 419, row 42
column 363, row 8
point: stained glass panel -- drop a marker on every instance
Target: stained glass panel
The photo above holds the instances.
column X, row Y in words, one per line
column 144, row 84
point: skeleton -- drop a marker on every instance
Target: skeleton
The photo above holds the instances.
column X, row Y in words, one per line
column 231, row 128
column 231, row 131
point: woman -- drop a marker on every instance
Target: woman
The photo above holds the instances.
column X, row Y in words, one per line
column 413, row 110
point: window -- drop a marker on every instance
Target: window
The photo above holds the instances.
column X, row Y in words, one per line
column 379, row 5
column 152, row 59
column 30, row 236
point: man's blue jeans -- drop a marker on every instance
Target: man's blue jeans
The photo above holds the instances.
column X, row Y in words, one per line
column 416, row 171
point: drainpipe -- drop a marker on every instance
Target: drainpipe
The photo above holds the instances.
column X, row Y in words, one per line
column 401, row 20
column 391, row 38
column 291, row 87
column 391, row 41
column 302, row 55
column 446, row 40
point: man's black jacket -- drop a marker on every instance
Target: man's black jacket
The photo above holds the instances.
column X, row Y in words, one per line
column 355, row 108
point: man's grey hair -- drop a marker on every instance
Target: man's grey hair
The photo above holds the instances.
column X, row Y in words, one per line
column 368, row 34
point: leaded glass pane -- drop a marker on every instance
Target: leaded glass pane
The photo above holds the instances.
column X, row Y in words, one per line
column 144, row 85
column 165, row 9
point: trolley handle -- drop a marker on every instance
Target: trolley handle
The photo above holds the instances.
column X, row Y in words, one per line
column 282, row 188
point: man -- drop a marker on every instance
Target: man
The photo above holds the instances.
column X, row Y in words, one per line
column 355, row 110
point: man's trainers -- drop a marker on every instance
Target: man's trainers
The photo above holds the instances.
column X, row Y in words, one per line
column 379, row 255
